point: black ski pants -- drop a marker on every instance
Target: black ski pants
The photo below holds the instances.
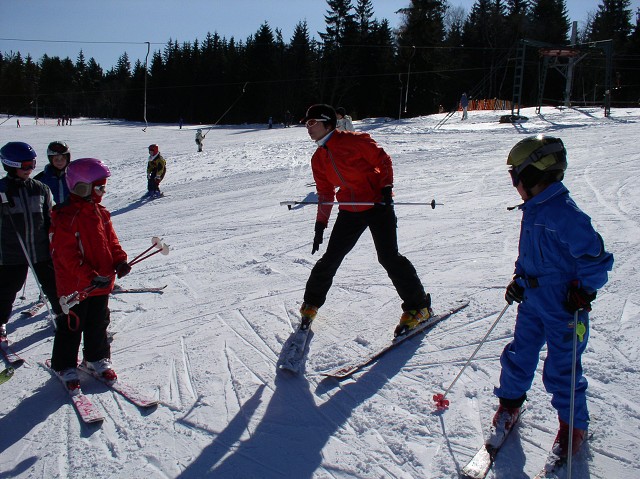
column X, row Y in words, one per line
column 349, row 226
column 12, row 277
column 89, row 318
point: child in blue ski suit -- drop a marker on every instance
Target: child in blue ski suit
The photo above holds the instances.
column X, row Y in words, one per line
column 54, row 174
column 561, row 264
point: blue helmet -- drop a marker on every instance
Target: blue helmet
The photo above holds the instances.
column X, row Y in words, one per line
column 14, row 153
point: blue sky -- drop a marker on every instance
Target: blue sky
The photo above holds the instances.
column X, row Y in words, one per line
column 106, row 29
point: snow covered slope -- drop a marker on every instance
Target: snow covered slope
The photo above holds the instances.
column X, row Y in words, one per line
column 238, row 265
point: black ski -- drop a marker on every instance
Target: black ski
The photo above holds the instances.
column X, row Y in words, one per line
column 346, row 371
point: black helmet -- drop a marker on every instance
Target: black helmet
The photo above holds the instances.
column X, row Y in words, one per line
column 58, row 148
column 537, row 159
column 321, row 112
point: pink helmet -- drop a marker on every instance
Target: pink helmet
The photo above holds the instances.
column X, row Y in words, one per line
column 83, row 172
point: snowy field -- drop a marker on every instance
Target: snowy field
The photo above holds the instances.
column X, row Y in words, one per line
column 208, row 346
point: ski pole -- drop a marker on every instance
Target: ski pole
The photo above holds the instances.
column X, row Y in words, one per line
column 290, row 204
column 69, row 301
column 155, row 243
column 164, row 249
column 572, row 400
column 30, row 263
column 439, row 399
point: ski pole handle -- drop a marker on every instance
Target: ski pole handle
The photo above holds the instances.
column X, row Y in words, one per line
column 69, row 301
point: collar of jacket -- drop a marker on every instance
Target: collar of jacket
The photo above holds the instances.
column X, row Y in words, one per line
column 550, row 192
column 323, row 141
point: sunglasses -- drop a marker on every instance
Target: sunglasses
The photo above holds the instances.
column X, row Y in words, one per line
column 99, row 188
column 311, row 122
column 28, row 165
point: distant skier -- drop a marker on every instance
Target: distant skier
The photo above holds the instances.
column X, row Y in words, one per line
column 156, row 169
column 199, row 139
column 54, row 174
column 363, row 172
column 25, row 215
column 343, row 121
column 562, row 262
column 86, row 254
column 464, row 104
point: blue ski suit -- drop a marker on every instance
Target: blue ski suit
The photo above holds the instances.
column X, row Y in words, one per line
column 557, row 245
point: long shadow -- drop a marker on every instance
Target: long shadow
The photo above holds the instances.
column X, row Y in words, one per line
column 289, row 440
column 29, row 412
column 132, row 206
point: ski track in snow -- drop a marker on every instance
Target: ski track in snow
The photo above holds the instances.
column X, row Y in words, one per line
column 208, row 347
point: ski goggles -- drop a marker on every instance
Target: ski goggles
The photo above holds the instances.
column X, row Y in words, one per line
column 515, row 180
column 312, row 122
column 28, row 165
column 100, row 188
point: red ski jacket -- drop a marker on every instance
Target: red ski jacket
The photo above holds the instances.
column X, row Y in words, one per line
column 354, row 163
column 83, row 245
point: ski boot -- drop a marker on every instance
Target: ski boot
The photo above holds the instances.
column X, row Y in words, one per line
column 561, row 443
column 503, row 421
column 412, row 318
column 3, row 332
column 104, row 368
column 70, row 378
column 308, row 313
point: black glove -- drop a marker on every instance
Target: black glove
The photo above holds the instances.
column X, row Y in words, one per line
column 101, row 282
column 578, row 298
column 123, row 269
column 387, row 195
column 514, row 292
column 317, row 239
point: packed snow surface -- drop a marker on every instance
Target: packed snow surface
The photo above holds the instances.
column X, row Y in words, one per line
column 236, row 272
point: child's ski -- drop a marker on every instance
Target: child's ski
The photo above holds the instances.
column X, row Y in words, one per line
column 125, row 390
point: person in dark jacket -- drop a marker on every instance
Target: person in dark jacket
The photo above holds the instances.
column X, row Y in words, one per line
column 354, row 163
column 156, row 169
column 87, row 257
column 561, row 264
column 53, row 174
column 25, row 215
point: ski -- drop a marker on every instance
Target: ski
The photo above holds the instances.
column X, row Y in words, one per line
column 293, row 353
column 35, row 308
column 128, row 392
column 480, row 465
column 348, row 370
column 117, row 289
column 88, row 412
column 6, row 374
column 9, row 354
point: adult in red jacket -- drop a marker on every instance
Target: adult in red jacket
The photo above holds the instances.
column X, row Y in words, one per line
column 87, row 256
column 362, row 172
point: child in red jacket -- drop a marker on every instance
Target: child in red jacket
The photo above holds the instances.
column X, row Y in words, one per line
column 87, row 256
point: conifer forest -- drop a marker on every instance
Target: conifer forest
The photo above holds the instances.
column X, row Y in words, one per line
column 359, row 62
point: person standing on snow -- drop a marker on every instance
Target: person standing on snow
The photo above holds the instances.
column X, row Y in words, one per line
column 156, row 169
column 464, row 104
column 199, row 139
column 354, row 163
column 25, row 215
column 53, row 174
column 561, row 264
column 343, row 121
column 87, row 256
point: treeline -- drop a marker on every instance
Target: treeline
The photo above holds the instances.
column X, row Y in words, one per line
column 360, row 62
